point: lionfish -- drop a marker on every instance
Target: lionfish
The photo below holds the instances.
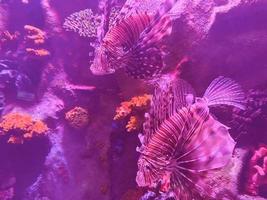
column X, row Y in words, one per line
column 182, row 141
column 134, row 42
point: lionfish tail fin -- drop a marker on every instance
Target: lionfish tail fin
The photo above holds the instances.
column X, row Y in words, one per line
column 225, row 91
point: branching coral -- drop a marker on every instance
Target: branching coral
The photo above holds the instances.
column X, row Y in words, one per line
column 77, row 117
column 136, row 106
column 84, row 22
column 19, row 127
column 257, row 171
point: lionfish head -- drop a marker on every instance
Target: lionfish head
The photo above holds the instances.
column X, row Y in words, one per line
column 101, row 64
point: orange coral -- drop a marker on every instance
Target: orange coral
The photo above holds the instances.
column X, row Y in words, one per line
column 137, row 105
column 133, row 124
column 127, row 107
column 35, row 34
column 35, row 37
column 38, row 52
column 77, row 117
column 19, row 127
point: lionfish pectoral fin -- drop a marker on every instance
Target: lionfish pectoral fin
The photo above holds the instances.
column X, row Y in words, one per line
column 225, row 91
column 145, row 60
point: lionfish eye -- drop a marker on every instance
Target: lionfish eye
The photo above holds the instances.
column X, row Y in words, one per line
column 147, row 167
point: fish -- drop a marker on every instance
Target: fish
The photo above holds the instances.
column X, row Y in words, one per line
column 182, row 141
column 135, row 43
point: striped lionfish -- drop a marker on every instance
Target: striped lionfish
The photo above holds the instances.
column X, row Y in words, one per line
column 134, row 42
column 182, row 141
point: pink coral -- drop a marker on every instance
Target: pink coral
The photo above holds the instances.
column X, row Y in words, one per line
column 257, row 171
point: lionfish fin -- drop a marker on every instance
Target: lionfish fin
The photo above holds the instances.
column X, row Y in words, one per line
column 225, row 91
column 209, row 147
column 145, row 59
column 165, row 103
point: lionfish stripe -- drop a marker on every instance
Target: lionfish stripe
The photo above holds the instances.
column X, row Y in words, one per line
column 128, row 30
column 225, row 91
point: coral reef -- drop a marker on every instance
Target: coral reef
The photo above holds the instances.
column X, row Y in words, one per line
column 84, row 22
column 135, row 107
column 20, row 127
column 77, row 117
column 37, row 65
column 257, row 171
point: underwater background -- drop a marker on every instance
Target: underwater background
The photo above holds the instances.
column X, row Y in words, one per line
column 87, row 87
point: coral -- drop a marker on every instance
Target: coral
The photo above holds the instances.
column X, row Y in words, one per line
column 19, row 127
column 114, row 11
column 77, row 117
column 136, row 106
column 38, row 52
column 136, row 103
column 84, row 22
column 257, row 171
column 133, row 124
column 34, row 34
column 35, row 40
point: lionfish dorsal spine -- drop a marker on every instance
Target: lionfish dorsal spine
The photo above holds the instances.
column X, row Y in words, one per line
column 160, row 24
column 225, row 91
